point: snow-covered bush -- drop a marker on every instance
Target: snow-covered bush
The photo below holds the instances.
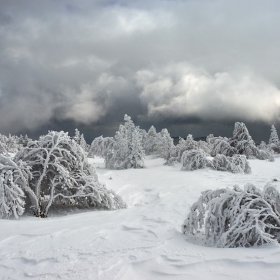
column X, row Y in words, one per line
column 234, row 164
column 9, row 144
column 13, row 182
column 221, row 146
column 62, row 175
column 202, row 145
column 264, row 154
column 194, row 159
column 101, row 146
column 236, row 217
column 239, row 164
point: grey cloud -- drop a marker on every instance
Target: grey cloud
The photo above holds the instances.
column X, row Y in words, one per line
column 169, row 62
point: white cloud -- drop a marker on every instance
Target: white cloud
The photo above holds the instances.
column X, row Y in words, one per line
column 179, row 90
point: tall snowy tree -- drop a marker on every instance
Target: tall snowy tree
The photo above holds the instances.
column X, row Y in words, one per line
column 151, row 141
column 77, row 136
column 165, row 145
column 127, row 151
column 242, row 140
column 273, row 136
column 83, row 143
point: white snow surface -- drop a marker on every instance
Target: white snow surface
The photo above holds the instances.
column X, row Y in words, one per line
column 143, row 241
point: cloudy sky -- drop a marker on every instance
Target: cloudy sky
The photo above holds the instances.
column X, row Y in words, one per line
column 193, row 66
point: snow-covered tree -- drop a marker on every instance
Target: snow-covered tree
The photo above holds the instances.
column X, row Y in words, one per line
column 151, row 141
column 13, row 183
column 101, row 146
column 62, row 175
column 23, row 140
column 143, row 134
column 137, row 154
column 165, row 145
column 273, row 136
column 83, row 143
column 242, row 140
column 194, row 159
column 263, row 146
column 236, row 217
column 77, row 136
column 185, row 145
column 127, row 151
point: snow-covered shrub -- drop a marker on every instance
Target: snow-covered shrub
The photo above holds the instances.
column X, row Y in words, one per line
column 186, row 145
column 236, row 217
column 13, row 182
column 9, row 144
column 101, row 146
column 202, row 145
column 234, row 164
column 239, row 164
column 62, row 175
column 221, row 146
column 194, row 159
column 23, row 140
column 264, row 154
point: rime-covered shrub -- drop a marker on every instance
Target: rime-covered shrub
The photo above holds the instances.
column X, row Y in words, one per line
column 202, row 145
column 185, row 145
column 13, row 182
column 9, row 144
column 234, row 164
column 264, row 154
column 236, row 217
column 62, row 175
column 194, row 159
column 239, row 164
column 221, row 146
column 101, row 146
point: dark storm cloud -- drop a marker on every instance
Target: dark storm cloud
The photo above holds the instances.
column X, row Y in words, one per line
column 87, row 63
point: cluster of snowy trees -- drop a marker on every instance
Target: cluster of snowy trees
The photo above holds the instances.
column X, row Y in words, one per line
column 123, row 151
column 52, row 170
column 127, row 149
column 236, row 217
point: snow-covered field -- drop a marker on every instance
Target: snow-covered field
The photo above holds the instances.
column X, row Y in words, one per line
column 143, row 241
